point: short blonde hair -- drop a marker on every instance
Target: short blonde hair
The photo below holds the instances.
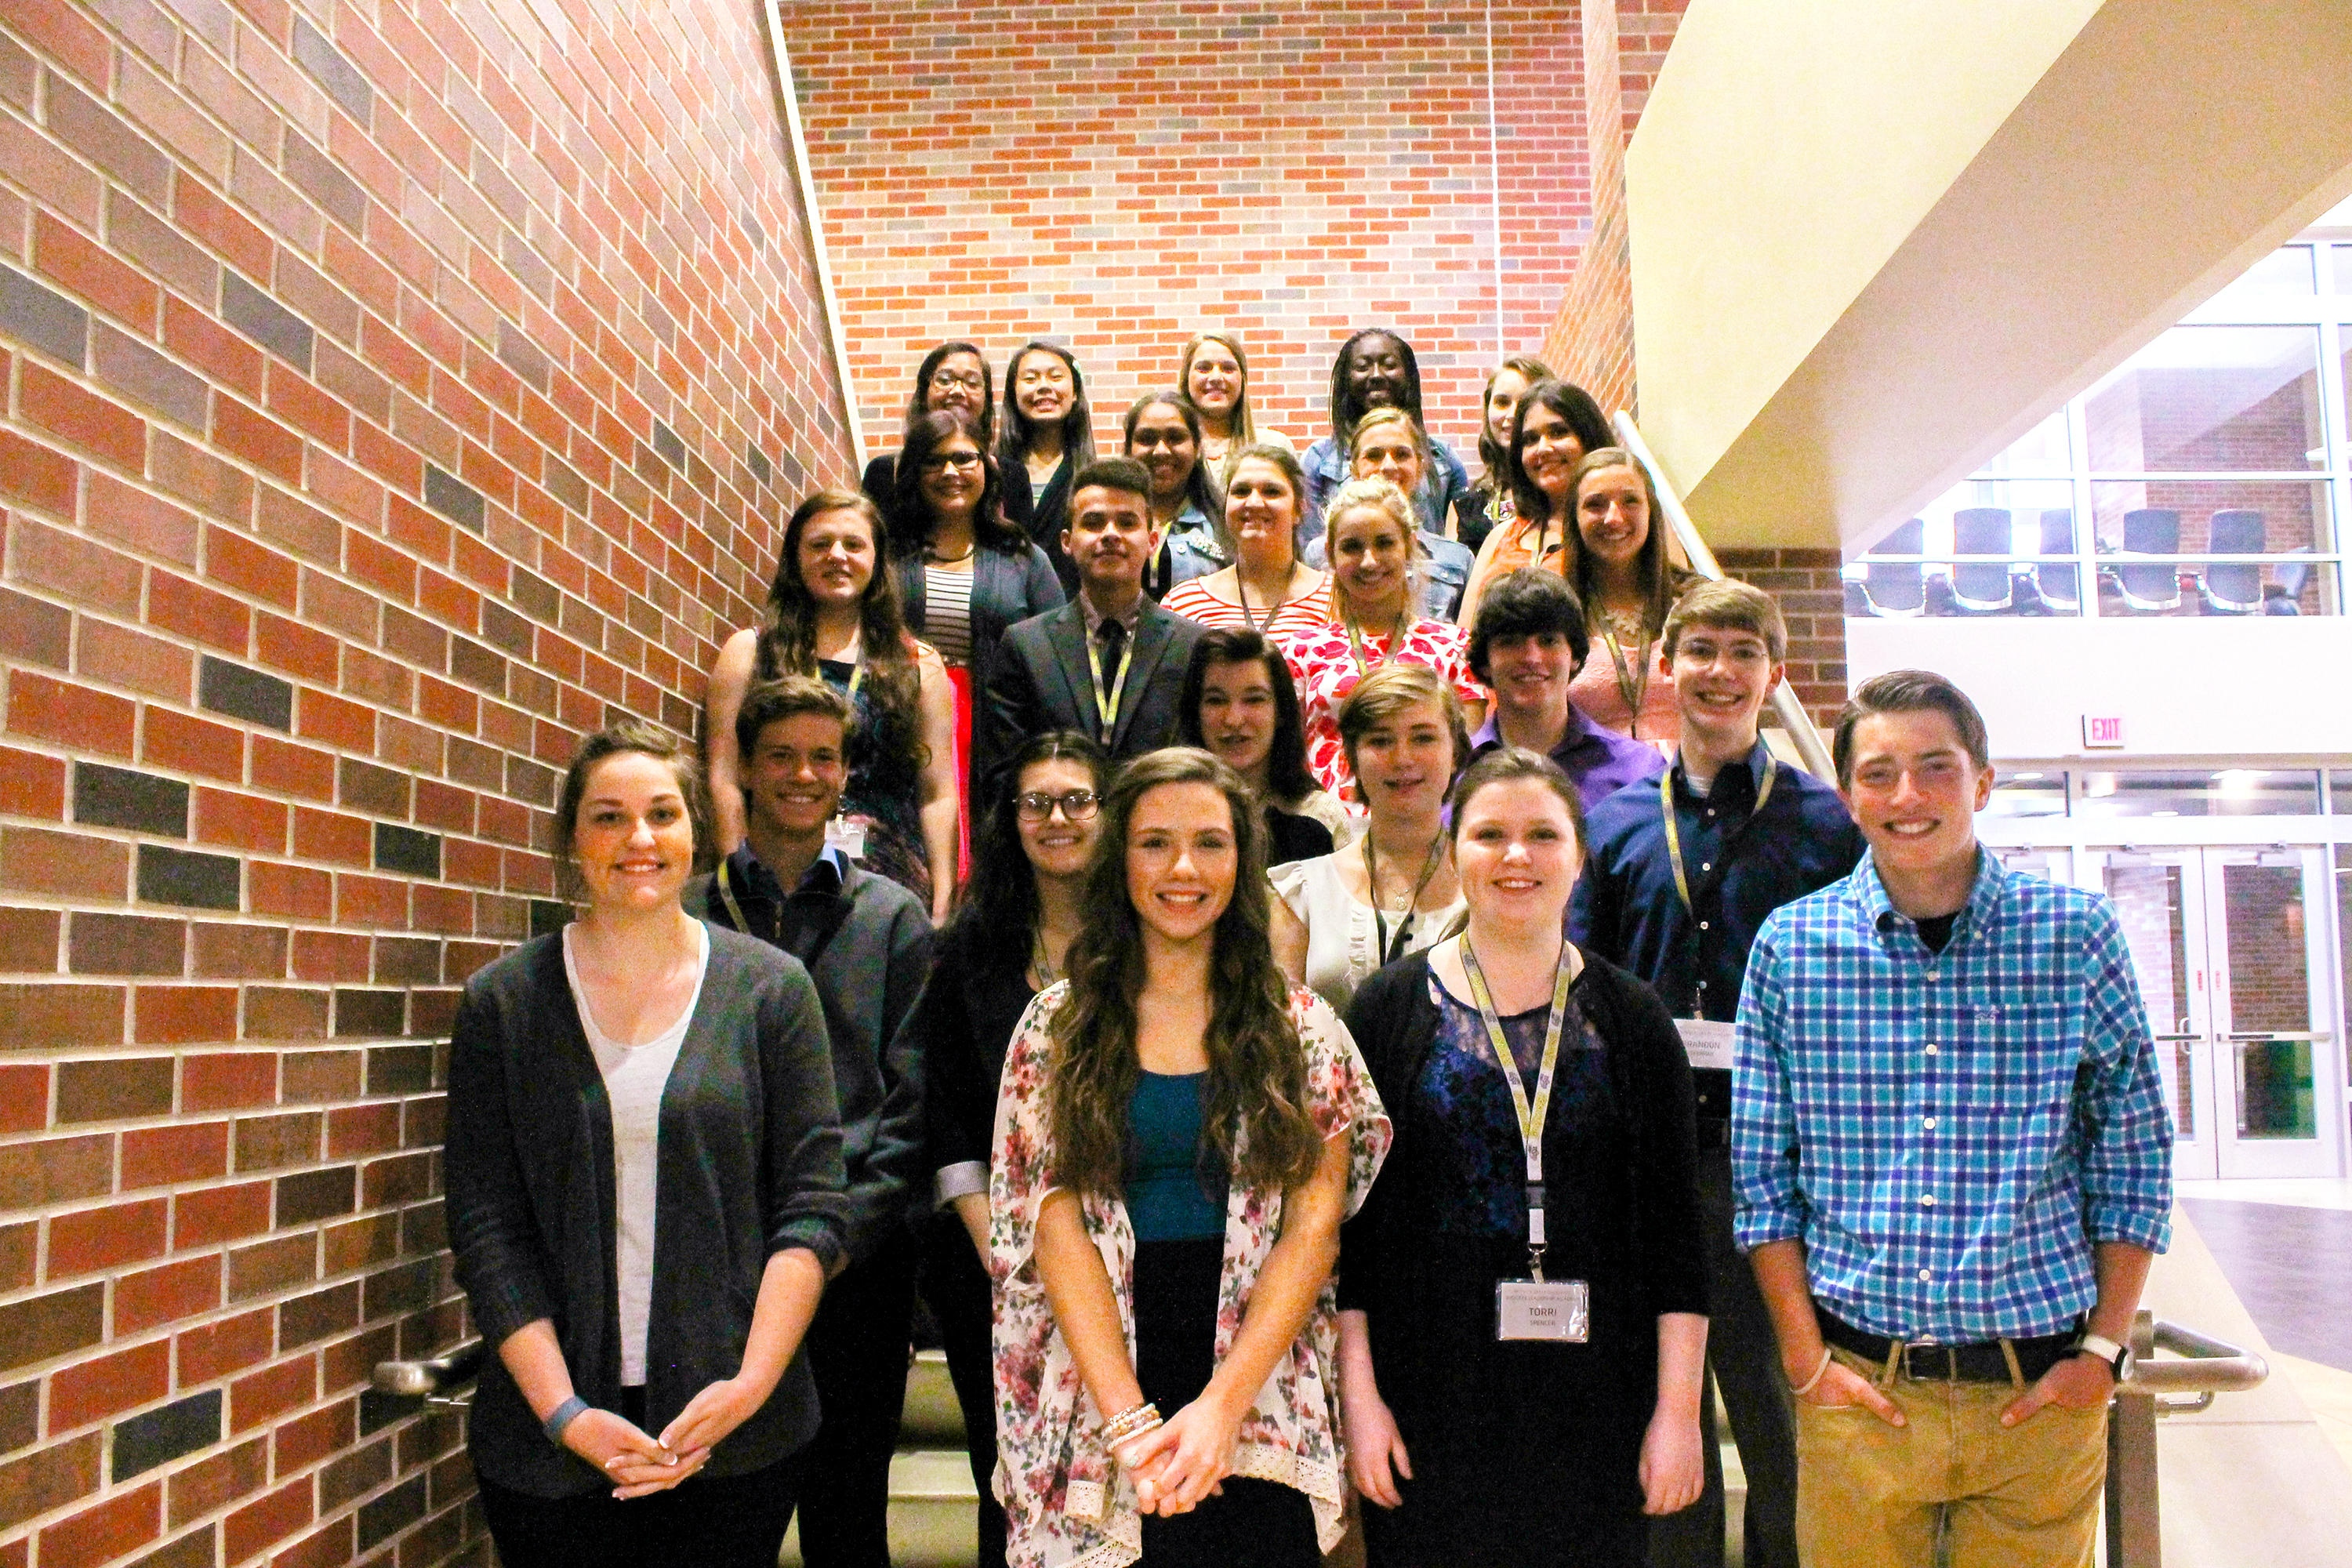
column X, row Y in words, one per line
column 1731, row 605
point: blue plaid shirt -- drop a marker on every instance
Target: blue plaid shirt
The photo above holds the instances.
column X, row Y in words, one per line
column 1948, row 1133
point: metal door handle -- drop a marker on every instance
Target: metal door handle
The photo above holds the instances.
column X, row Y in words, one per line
column 2283, row 1037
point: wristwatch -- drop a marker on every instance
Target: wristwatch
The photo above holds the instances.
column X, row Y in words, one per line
column 2117, row 1357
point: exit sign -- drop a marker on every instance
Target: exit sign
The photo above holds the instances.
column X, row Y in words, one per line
column 2103, row 731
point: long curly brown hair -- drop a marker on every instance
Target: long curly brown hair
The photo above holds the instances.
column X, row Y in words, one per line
column 1254, row 1114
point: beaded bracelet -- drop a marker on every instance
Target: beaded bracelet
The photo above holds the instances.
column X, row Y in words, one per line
column 1131, row 1422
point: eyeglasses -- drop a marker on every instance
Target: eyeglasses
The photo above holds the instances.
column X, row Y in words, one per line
column 1077, row 805
column 943, row 379
column 939, row 462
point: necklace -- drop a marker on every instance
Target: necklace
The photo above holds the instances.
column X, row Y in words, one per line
column 1389, row 952
column 936, row 559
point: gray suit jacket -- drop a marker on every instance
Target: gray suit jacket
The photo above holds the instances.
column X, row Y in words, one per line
column 1040, row 680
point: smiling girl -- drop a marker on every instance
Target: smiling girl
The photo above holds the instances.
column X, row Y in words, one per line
column 1214, row 374
column 1616, row 561
column 1239, row 703
column 832, row 612
column 1375, row 551
column 1178, row 1136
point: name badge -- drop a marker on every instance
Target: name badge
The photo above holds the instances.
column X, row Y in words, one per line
column 1555, row 1309
column 1706, row 1043
column 848, row 836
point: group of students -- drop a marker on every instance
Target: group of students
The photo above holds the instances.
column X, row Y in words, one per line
column 1299, row 1046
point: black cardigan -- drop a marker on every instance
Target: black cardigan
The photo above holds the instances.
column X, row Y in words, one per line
column 748, row 1164
column 1394, row 1022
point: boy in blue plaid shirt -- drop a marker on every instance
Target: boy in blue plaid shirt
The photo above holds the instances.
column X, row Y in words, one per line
column 1953, row 1164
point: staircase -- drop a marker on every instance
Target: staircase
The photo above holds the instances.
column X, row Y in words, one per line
column 931, row 1497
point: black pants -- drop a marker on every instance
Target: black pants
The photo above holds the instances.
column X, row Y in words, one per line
column 1745, row 1360
column 714, row 1521
column 858, row 1351
column 956, row 1286
column 1255, row 1524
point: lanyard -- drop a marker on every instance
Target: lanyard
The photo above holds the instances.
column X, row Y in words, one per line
column 1396, row 641
column 1631, row 689
column 1404, row 925
column 1241, row 594
column 1531, row 1115
column 1674, row 834
column 735, row 910
column 1107, row 704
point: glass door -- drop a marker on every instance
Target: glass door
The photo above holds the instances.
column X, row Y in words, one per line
column 2227, row 944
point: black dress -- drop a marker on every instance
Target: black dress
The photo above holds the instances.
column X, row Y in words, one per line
column 1522, row 1453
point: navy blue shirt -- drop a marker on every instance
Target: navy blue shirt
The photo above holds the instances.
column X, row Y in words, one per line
column 1741, row 865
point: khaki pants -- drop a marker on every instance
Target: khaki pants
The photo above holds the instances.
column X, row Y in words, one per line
column 1873, row 1496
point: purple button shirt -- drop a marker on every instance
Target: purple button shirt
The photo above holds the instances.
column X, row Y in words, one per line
column 1600, row 760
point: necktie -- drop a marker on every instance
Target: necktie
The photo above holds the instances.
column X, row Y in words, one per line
column 1111, row 641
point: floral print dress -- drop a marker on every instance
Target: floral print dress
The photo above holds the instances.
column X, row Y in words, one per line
column 1067, row 1504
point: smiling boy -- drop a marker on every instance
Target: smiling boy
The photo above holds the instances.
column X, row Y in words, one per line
column 1954, row 1166
column 1682, row 872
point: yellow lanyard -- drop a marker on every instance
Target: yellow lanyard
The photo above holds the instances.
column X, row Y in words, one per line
column 1107, row 704
column 1531, row 1114
column 1674, row 834
column 735, row 910
column 1396, row 642
column 1628, row 687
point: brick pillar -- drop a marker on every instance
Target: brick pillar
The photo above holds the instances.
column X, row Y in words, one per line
column 1812, row 596
column 392, row 392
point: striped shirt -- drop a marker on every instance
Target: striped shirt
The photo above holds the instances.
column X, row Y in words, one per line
column 947, row 612
column 1948, row 1133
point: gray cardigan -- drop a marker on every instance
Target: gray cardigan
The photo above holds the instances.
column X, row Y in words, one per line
column 748, row 1164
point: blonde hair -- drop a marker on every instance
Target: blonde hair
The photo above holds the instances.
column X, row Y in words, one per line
column 1383, row 496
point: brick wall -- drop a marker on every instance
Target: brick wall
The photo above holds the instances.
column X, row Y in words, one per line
column 392, row 392
column 1590, row 338
column 1121, row 178
column 1807, row 587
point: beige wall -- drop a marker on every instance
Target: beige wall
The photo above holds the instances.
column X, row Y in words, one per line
column 1873, row 241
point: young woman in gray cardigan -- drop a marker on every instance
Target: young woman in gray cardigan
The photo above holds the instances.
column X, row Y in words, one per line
column 644, row 1175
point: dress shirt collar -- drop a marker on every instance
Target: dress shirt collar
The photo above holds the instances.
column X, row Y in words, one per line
column 1095, row 617
column 826, row 875
column 1885, row 921
column 1759, row 757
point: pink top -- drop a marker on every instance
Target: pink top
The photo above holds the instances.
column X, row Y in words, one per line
column 1327, row 670
column 1599, row 692
column 1309, row 612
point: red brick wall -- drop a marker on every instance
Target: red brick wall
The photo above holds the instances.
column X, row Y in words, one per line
column 392, row 392
column 1590, row 337
column 1122, row 178
column 1812, row 596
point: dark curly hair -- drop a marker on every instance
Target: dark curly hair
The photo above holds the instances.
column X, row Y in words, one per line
column 911, row 525
column 1591, row 427
column 1255, row 1120
column 1344, row 409
column 998, row 912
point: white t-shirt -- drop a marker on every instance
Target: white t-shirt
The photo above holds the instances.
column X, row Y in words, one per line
column 634, row 1076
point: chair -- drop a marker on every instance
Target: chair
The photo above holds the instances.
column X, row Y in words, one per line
column 2055, row 584
column 2284, row 596
column 1897, row 590
column 2233, row 588
column 2151, row 589
column 1983, row 587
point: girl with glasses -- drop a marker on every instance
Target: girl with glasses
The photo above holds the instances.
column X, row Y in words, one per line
column 1178, row 1135
column 965, row 573
column 1006, row 944
column 953, row 378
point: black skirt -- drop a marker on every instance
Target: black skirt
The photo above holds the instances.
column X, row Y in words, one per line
column 1254, row 1524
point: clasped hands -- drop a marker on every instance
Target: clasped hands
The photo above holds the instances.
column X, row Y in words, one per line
column 639, row 1464
column 1184, row 1461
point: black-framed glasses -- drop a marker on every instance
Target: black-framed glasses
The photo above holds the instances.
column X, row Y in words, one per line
column 939, row 462
column 1036, row 806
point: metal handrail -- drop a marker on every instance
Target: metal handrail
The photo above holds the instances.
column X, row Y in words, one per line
column 443, row 1380
column 1786, row 705
column 2206, row 1366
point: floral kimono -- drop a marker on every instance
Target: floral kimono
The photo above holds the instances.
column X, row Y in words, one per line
column 1067, row 1505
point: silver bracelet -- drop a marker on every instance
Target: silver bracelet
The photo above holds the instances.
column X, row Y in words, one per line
column 563, row 1415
